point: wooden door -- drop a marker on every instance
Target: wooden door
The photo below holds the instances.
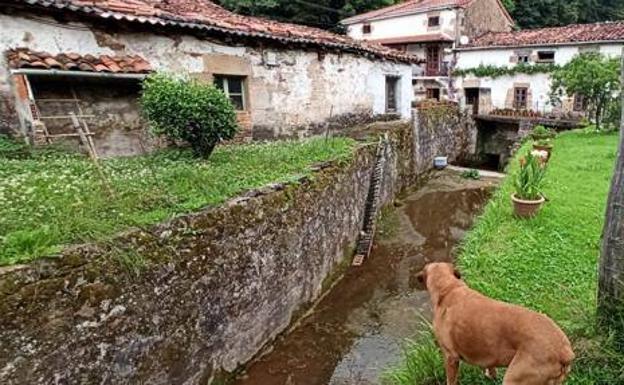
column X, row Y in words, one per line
column 433, row 60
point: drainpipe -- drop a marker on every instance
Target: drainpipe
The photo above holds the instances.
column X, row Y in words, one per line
column 53, row 72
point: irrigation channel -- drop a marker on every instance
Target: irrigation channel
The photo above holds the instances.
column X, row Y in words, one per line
column 358, row 329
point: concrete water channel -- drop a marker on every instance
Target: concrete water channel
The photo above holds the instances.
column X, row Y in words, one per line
column 358, row 329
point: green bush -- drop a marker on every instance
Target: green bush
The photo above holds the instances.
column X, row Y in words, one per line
column 530, row 178
column 541, row 132
column 471, row 174
column 188, row 110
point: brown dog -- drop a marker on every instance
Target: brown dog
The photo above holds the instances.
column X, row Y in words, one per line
column 491, row 334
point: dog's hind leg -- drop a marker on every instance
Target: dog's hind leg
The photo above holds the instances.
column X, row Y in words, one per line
column 452, row 369
column 523, row 371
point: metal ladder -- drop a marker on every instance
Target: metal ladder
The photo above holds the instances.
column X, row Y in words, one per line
column 365, row 242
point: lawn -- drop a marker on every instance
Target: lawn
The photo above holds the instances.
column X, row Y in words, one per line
column 50, row 199
column 548, row 264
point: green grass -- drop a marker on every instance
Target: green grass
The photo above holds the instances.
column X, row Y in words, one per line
column 548, row 264
column 50, row 199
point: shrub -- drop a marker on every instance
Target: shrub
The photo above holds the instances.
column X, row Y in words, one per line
column 541, row 132
column 529, row 179
column 471, row 174
column 188, row 110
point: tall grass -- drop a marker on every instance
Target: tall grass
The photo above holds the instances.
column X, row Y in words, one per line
column 50, row 199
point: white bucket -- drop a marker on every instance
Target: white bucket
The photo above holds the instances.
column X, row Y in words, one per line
column 440, row 162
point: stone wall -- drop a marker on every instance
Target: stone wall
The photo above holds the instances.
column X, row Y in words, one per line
column 290, row 93
column 443, row 130
column 175, row 303
column 485, row 16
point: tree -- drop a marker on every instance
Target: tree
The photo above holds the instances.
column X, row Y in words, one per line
column 317, row 13
column 592, row 75
column 611, row 280
column 548, row 13
column 188, row 110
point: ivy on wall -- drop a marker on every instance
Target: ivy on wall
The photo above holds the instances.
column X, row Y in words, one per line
column 491, row 71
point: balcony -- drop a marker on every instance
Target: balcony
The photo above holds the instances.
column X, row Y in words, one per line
column 431, row 70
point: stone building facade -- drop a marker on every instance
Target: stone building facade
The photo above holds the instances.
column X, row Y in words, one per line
column 286, row 80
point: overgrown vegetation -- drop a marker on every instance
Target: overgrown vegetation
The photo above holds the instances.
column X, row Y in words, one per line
column 596, row 78
column 185, row 109
column 548, row 263
column 50, row 198
column 491, row 71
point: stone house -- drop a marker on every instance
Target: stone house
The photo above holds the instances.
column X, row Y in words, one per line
column 66, row 64
column 530, row 91
column 430, row 29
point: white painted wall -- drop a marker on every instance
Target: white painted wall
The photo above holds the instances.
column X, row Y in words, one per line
column 410, row 25
column 540, row 84
column 502, row 57
column 300, row 90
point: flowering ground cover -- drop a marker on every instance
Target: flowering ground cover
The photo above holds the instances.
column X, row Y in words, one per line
column 49, row 199
column 548, row 263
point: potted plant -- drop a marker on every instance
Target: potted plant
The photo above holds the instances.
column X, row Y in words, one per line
column 528, row 199
column 544, row 145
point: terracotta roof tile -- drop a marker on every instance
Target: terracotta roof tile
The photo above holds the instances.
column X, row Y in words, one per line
column 205, row 15
column 24, row 58
column 575, row 33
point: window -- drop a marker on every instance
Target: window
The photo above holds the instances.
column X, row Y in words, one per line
column 546, row 57
column 520, row 98
column 433, row 93
column 434, row 21
column 391, row 93
column 523, row 58
column 234, row 88
column 366, row 29
column 580, row 103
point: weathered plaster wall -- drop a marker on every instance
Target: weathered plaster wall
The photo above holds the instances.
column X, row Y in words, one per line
column 297, row 91
column 501, row 88
column 409, row 25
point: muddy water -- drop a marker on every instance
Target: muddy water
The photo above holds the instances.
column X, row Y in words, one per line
column 356, row 331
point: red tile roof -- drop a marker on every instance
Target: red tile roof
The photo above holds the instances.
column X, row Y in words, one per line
column 24, row 58
column 429, row 37
column 205, row 16
column 410, row 7
column 570, row 34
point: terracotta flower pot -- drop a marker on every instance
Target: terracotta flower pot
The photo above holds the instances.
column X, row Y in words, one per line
column 548, row 148
column 526, row 209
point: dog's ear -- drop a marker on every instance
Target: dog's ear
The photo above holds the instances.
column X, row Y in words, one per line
column 457, row 273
